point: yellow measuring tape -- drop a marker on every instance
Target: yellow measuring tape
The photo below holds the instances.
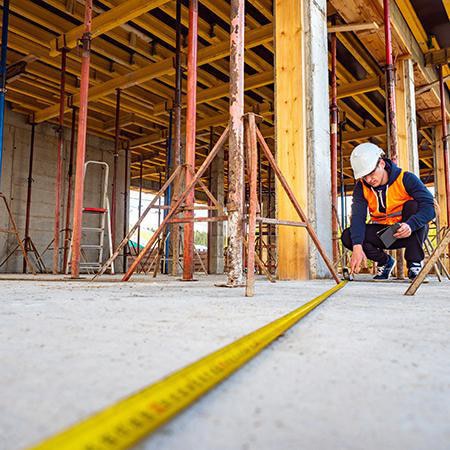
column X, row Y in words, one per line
column 123, row 424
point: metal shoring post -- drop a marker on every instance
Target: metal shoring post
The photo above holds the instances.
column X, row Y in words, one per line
column 188, row 250
column 334, row 144
column 391, row 109
column 69, row 188
column 269, row 214
column 236, row 188
column 253, row 175
column 81, row 143
column 175, row 228
column 159, row 223
column 4, row 51
column 210, row 212
column 29, row 189
column 168, row 197
column 125, row 204
column 59, row 162
column 115, row 167
column 260, row 201
column 140, row 204
column 445, row 138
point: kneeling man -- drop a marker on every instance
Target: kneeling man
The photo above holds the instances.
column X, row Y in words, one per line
column 392, row 196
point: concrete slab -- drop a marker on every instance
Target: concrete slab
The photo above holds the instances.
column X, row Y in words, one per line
column 368, row 369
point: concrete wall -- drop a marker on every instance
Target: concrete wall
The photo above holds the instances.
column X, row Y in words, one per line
column 16, row 154
column 318, row 132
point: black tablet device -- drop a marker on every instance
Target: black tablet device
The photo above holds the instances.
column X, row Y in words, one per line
column 387, row 234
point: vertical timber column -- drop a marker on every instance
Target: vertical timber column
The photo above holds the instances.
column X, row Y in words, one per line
column 439, row 176
column 81, row 142
column 408, row 151
column 235, row 204
column 215, row 250
column 59, row 162
column 317, row 154
column 291, row 154
column 188, row 252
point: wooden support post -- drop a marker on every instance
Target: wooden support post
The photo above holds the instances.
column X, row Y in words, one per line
column 439, row 176
column 293, row 251
column 295, row 204
column 81, row 144
column 440, row 248
column 236, row 145
column 408, row 156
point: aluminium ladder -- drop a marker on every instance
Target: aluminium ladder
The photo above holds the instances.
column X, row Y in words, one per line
column 89, row 250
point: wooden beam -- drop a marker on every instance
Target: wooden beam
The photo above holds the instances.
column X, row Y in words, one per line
column 223, row 90
column 158, row 69
column 125, row 119
column 437, row 57
column 353, row 27
column 360, row 87
column 348, row 136
column 105, row 22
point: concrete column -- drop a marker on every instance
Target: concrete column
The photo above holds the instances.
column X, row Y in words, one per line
column 439, row 176
column 215, row 250
column 302, row 125
column 408, row 151
column 318, row 131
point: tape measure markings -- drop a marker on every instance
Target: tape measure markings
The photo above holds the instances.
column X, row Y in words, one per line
column 129, row 420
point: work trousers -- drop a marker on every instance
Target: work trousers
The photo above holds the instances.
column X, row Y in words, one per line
column 374, row 248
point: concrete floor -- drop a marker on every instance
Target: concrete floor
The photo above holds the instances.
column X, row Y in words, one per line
column 368, row 369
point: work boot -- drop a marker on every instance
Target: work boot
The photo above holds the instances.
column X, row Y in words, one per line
column 414, row 270
column 384, row 272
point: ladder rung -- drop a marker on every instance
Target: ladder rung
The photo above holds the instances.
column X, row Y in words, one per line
column 94, row 210
column 91, row 246
column 92, row 229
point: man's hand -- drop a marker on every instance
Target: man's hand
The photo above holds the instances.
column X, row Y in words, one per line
column 358, row 257
column 403, row 232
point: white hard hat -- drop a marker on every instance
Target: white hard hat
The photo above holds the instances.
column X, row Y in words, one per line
column 364, row 159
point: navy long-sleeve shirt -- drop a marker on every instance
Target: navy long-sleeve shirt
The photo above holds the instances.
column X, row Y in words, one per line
column 415, row 188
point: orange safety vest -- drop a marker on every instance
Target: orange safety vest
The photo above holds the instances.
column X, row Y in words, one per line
column 396, row 197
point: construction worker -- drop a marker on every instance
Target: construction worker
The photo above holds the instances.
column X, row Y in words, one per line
column 391, row 195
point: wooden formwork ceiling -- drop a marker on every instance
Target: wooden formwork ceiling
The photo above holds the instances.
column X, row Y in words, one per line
column 137, row 57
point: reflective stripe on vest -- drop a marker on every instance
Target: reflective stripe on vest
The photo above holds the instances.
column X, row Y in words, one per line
column 396, row 197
